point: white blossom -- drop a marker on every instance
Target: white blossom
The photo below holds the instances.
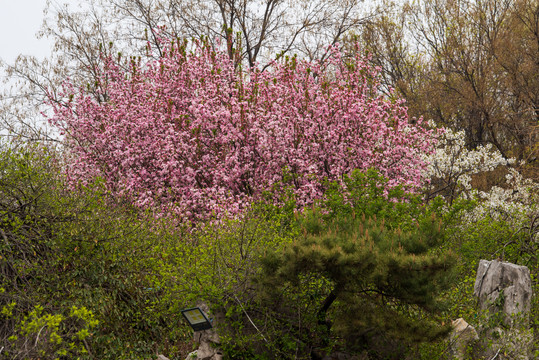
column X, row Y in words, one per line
column 452, row 166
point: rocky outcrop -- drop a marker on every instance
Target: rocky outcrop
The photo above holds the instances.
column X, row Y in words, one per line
column 208, row 340
column 504, row 288
column 505, row 293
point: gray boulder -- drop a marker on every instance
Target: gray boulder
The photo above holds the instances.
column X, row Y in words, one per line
column 504, row 287
column 504, row 291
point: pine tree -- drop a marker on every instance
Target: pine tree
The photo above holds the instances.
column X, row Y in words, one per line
column 374, row 282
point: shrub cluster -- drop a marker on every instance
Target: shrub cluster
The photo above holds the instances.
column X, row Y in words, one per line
column 191, row 134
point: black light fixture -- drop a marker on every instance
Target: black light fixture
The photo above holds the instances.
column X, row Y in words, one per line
column 196, row 318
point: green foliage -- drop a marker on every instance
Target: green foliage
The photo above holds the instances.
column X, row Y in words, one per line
column 47, row 335
column 367, row 267
column 356, row 280
column 215, row 263
column 65, row 250
column 367, row 192
column 84, row 275
column 507, row 237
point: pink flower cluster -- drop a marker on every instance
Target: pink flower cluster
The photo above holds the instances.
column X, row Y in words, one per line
column 189, row 133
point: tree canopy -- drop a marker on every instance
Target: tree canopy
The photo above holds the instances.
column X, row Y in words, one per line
column 191, row 133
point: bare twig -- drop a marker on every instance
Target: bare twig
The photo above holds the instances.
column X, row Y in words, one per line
column 249, row 318
column 39, row 333
column 495, row 356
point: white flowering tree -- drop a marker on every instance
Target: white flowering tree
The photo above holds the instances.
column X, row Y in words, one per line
column 452, row 165
column 511, row 205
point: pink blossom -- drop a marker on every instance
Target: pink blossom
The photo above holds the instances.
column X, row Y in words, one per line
column 189, row 133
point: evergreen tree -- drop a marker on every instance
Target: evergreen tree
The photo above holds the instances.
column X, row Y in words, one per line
column 376, row 284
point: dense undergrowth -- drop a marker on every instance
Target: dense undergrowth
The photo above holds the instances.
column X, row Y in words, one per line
column 301, row 200
column 86, row 276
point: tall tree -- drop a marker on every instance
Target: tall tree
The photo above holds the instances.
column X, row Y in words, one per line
column 251, row 31
column 189, row 127
column 468, row 64
column 366, row 281
column 258, row 29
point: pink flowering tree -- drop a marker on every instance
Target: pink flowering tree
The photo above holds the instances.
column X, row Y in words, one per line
column 191, row 134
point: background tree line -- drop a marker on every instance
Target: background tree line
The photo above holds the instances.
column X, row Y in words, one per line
column 468, row 65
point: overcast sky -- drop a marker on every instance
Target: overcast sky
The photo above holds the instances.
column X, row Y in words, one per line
column 19, row 22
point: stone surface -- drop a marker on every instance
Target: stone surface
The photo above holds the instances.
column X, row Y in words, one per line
column 162, row 357
column 208, row 340
column 505, row 293
column 504, row 287
column 208, row 350
column 461, row 338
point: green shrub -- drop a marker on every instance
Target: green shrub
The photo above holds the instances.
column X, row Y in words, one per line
column 342, row 280
column 63, row 249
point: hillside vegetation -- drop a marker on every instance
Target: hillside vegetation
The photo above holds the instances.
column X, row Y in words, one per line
column 319, row 199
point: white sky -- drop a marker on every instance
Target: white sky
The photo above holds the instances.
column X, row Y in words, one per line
column 19, row 22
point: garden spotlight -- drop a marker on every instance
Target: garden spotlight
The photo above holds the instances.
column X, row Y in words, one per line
column 196, row 318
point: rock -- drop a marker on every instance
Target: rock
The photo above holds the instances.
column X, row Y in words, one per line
column 208, row 340
column 504, row 287
column 162, row 357
column 505, row 293
column 461, row 338
column 208, row 350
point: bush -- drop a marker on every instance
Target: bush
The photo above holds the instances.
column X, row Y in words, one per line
column 74, row 269
column 311, row 291
column 191, row 134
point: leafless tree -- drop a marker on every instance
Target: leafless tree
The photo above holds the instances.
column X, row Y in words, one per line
column 467, row 64
column 253, row 32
